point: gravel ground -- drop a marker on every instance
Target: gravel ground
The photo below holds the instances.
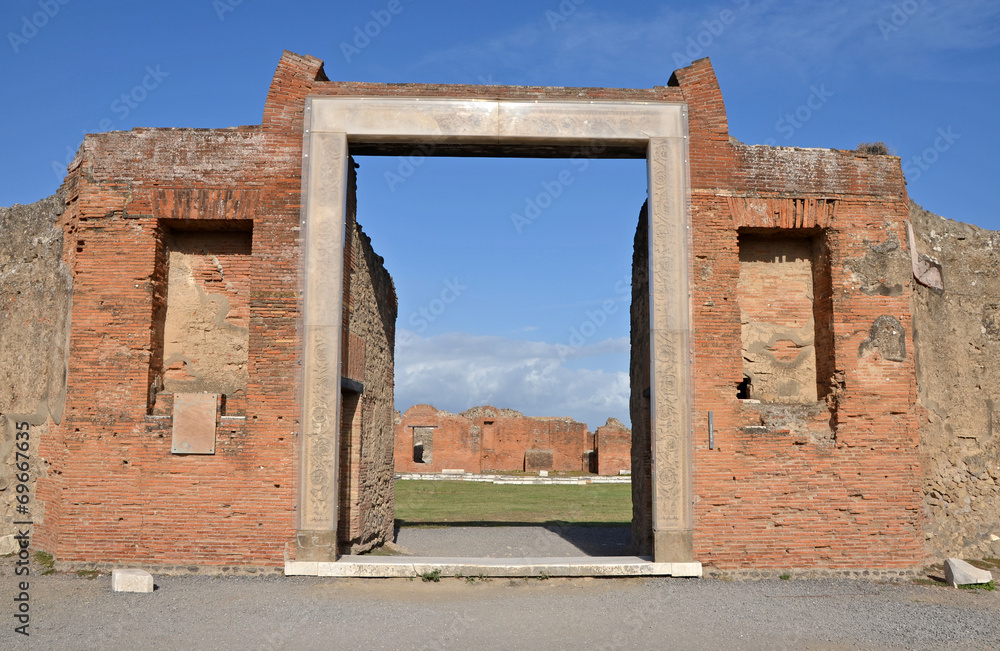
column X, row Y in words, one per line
column 188, row 612
column 507, row 542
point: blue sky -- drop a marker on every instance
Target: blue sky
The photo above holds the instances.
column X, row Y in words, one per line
column 534, row 319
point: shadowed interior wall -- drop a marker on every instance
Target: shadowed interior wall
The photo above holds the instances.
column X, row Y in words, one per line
column 639, row 403
column 366, row 462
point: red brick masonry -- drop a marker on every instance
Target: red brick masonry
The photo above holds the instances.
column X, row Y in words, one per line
column 830, row 483
column 487, row 439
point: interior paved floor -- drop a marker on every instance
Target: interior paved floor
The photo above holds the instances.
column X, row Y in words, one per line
column 543, row 540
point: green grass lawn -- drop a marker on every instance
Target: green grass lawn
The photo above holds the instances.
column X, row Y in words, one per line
column 475, row 503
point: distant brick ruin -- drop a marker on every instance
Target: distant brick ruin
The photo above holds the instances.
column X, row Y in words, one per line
column 199, row 338
column 487, row 439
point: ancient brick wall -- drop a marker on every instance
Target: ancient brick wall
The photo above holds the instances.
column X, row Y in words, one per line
column 829, row 483
column 367, row 510
column 184, row 249
column 487, row 439
column 113, row 490
column 613, row 447
column 833, row 481
column 117, row 491
column 566, row 438
column 35, row 299
column 456, row 443
column 957, row 337
column 639, row 396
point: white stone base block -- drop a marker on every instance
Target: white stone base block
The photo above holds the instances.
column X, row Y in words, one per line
column 385, row 567
column 957, row 572
column 8, row 545
column 131, row 581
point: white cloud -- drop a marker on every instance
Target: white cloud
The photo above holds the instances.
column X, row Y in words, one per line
column 906, row 39
column 587, row 41
column 806, row 36
column 457, row 371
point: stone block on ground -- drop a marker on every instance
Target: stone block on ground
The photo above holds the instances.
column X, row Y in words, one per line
column 131, row 581
column 957, row 572
column 8, row 545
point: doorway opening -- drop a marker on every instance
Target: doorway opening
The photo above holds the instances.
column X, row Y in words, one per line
column 513, row 278
column 513, row 125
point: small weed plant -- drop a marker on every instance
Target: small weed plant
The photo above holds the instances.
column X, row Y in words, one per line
column 46, row 561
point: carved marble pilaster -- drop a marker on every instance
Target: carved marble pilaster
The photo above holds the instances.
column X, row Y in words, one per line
column 670, row 348
column 325, row 205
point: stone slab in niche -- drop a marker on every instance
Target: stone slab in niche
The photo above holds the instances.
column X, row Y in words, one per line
column 535, row 460
column 194, row 423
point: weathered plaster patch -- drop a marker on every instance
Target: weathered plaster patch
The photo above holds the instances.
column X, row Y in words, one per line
column 887, row 337
column 884, row 271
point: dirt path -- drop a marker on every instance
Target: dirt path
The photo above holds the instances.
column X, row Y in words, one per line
column 316, row 613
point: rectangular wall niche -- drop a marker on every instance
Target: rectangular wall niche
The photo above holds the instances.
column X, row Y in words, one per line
column 423, row 444
column 202, row 311
column 784, row 299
